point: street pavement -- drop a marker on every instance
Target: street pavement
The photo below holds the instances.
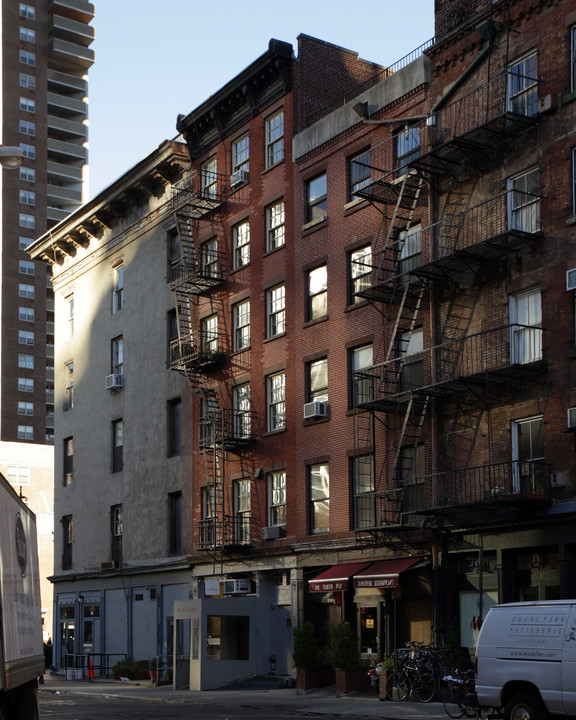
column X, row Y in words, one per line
column 364, row 704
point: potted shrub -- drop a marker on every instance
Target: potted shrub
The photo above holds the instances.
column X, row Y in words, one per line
column 127, row 668
column 345, row 660
column 311, row 671
column 385, row 671
column 155, row 666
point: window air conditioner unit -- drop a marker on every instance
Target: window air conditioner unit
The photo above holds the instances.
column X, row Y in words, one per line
column 315, row 410
column 273, row 532
column 571, row 279
column 108, row 565
column 237, row 586
column 572, row 418
column 114, row 382
column 238, row 178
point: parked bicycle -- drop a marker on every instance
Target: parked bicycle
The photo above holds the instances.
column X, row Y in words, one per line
column 411, row 678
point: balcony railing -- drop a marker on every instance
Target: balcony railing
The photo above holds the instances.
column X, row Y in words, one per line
column 200, row 349
column 495, row 355
column 233, row 530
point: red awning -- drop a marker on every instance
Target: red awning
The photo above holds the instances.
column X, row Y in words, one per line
column 384, row 574
column 336, row 578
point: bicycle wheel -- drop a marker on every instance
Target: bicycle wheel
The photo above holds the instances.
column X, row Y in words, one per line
column 454, row 701
column 426, row 687
column 400, row 686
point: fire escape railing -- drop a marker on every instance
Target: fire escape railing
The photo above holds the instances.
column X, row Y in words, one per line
column 198, row 349
column 199, row 193
column 214, row 533
column 227, row 427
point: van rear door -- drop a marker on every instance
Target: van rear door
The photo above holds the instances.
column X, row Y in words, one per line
column 569, row 664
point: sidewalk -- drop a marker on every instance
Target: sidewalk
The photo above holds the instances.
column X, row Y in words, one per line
column 363, row 704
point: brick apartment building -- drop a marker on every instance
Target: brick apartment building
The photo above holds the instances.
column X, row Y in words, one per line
column 373, row 328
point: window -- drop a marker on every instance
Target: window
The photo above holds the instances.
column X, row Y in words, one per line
column 409, row 249
column 319, row 482
column 25, row 384
column 27, row 35
column 276, row 402
column 241, row 154
column 276, row 310
column 362, row 388
column 522, row 89
column 174, row 427
column 241, row 321
column 27, row 175
column 524, row 202
column 275, row 138
column 241, row 244
column 118, row 355
column 70, row 315
column 317, row 297
column 25, row 432
column 573, row 58
column 69, row 386
column 26, row 314
column 316, row 198
column 18, row 474
column 27, row 197
column 27, row 81
column 172, row 330
column 26, row 361
column 25, row 408
column 25, row 337
column 209, row 258
column 412, row 469
column 27, row 11
column 68, row 465
column 173, row 251
column 118, row 291
column 27, row 58
column 117, row 445
column 26, row 267
column 29, row 151
column 27, row 127
column 67, row 541
column 208, row 537
column 242, row 511
column 209, row 178
column 277, row 498
column 364, row 500
column 317, row 380
column 358, row 173
column 27, row 105
column 406, row 148
column 412, row 363
column 275, row 231
column 116, row 527
column 27, row 221
column 24, row 242
column 525, row 310
column 360, row 273
column 242, row 415
column 209, row 334
column 175, row 523
column 528, row 459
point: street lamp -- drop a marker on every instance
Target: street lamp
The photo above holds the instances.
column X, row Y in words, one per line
column 10, row 157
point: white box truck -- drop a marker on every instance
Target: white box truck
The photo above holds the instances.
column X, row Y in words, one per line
column 526, row 659
column 21, row 645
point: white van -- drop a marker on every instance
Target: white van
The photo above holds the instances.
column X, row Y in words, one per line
column 526, row 659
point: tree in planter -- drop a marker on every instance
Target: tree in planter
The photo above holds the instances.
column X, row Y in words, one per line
column 306, row 653
column 344, row 653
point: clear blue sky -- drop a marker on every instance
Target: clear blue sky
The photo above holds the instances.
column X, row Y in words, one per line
column 155, row 60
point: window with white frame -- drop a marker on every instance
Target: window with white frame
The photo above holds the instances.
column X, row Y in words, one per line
column 525, row 312
column 118, row 355
column 241, row 322
column 27, row 105
column 242, row 511
column 209, row 258
column 209, row 178
column 27, row 58
column 118, row 289
column 319, row 494
column 209, row 334
column 406, row 147
column 241, row 154
column 27, row 12
column 241, row 244
column 26, row 291
column 69, row 300
column 25, row 408
column 26, row 314
column 360, row 272
column 363, row 486
column 69, row 386
column 242, row 415
column 317, row 293
column 410, row 349
column 29, row 151
column 27, row 127
column 27, row 221
column 528, row 456
column 208, row 536
column 25, row 432
column 27, row 35
column 117, row 445
column 275, row 231
column 27, row 197
column 277, row 498
column 522, row 88
column 524, row 201
column 26, row 361
column 27, row 174
column 27, row 81
column 18, row 474
column 276, row 401
column 25, row 337
column 25, row 384
column 316, row 198
column 275, row 138
column 26, row 267
column 358, row 172
column 410, row 249
column 317, row 380
column 412, row 460
column 276, row 311
column 362, row 390
column 68, row 464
